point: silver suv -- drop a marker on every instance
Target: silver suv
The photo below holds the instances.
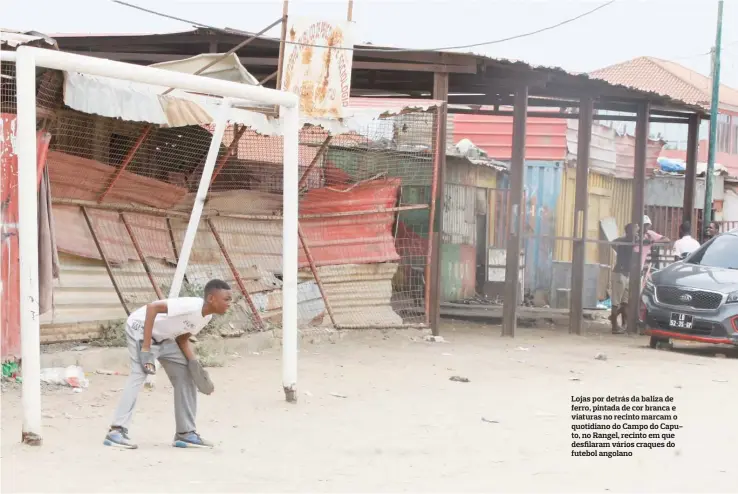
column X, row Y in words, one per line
column 697, row 298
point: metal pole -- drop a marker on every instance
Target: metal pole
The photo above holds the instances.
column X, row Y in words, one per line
column 239, row 93
column 236, row 275
column 584, row 138
column 141, row 257
column 202, row 193
column 316, row 275
column 690, row 174
column 291, row 175
column 232, row 50
column 511, row 297
column 28, row 247
column 714, row 104
column 126, row 161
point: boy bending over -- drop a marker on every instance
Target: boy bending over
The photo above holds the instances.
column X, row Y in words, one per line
column 161, row 330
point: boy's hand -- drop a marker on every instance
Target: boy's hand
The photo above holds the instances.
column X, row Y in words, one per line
column 201, row 377
column 147, row 361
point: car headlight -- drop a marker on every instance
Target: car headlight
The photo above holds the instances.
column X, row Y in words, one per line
column 732, row 298
column 650, row 286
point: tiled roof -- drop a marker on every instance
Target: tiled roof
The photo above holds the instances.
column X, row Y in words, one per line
column 664, row 77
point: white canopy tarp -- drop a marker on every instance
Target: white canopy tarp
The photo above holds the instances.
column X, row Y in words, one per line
column 131, row 101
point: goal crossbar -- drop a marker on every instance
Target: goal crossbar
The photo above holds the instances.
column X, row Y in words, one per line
column 27, row 59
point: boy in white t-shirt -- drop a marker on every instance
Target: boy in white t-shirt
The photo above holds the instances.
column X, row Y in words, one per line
column 161, row 330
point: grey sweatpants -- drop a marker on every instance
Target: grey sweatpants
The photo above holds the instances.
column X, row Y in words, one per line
column 175, row 365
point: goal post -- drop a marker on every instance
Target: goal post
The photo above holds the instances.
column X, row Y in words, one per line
column 27, row 59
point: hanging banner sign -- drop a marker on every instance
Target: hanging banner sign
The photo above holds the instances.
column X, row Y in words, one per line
column 317, row 65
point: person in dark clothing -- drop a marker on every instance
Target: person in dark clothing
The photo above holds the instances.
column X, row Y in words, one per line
column 620, row 279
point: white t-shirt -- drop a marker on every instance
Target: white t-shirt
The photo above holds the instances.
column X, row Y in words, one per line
column 184, row 315
column 686, row 245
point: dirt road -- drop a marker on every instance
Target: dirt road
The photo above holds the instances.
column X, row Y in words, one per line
column 401, row 424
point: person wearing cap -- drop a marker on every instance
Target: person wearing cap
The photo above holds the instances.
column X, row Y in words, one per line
column 650, row 237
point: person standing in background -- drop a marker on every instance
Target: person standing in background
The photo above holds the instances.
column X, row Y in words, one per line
column 650, row 237
column 620, row 279
column 712, row 229
column 686, row 244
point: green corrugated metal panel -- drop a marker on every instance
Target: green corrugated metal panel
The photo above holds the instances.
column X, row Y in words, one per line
column 458, row 272
column 362, row 164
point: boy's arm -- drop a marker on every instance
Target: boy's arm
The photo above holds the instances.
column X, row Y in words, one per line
column 183, row 341
column 152, row 310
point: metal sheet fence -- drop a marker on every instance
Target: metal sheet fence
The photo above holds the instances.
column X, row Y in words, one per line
column 123, row 192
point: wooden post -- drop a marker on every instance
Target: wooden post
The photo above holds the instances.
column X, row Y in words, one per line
column 314, row 270
column 438, row 152
column 440, row 93
column 282, row 40
column 236, row 275
column 639, row 193
column 105, row 261
column 511, row 297
column 142, row 257
column 579, row 252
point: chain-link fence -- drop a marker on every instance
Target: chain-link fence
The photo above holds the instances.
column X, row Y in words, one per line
column 123, row 191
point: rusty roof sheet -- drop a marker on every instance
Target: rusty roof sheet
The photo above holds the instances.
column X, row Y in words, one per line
column 375, row 52
column 14, row 39
column 669, row 78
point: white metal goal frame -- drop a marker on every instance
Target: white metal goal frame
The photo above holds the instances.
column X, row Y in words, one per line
column 27, row 59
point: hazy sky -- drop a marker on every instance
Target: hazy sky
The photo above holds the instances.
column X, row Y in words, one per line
column 678, row 30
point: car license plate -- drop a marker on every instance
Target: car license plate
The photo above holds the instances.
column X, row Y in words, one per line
column 681, row 321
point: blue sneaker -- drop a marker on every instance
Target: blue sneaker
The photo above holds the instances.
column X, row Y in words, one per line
column 190, row 440
column 118, row 437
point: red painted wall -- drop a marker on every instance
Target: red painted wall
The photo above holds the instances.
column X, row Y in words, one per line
column 545, row 137
column 9, row 271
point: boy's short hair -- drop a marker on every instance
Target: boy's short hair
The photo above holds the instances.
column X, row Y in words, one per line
column 629, row 228
column 214, row 285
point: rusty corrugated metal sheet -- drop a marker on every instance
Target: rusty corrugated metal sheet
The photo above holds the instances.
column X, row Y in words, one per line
column 545, row 137
column 83, row 295
column 603, row 156
column 459, row 215
column 625, row 149
column 74, row 237
column 355, row 239
column 74, row 177
column 622, row 201
column 359, row 293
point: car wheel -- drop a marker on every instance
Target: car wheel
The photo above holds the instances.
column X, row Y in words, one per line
column 660, row 343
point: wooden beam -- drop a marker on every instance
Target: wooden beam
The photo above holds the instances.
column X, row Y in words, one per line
column 440, row 92
column 149, row 58
column 581, row 196
column 511, row 297
column 639, row 202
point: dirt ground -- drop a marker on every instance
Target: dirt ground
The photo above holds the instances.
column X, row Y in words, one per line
column 398, row 423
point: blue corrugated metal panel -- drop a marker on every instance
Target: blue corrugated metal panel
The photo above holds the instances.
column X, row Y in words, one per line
column 542, row 190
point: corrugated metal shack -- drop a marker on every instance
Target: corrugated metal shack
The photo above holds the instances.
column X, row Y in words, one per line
column 122, row 193
column 549, row 185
